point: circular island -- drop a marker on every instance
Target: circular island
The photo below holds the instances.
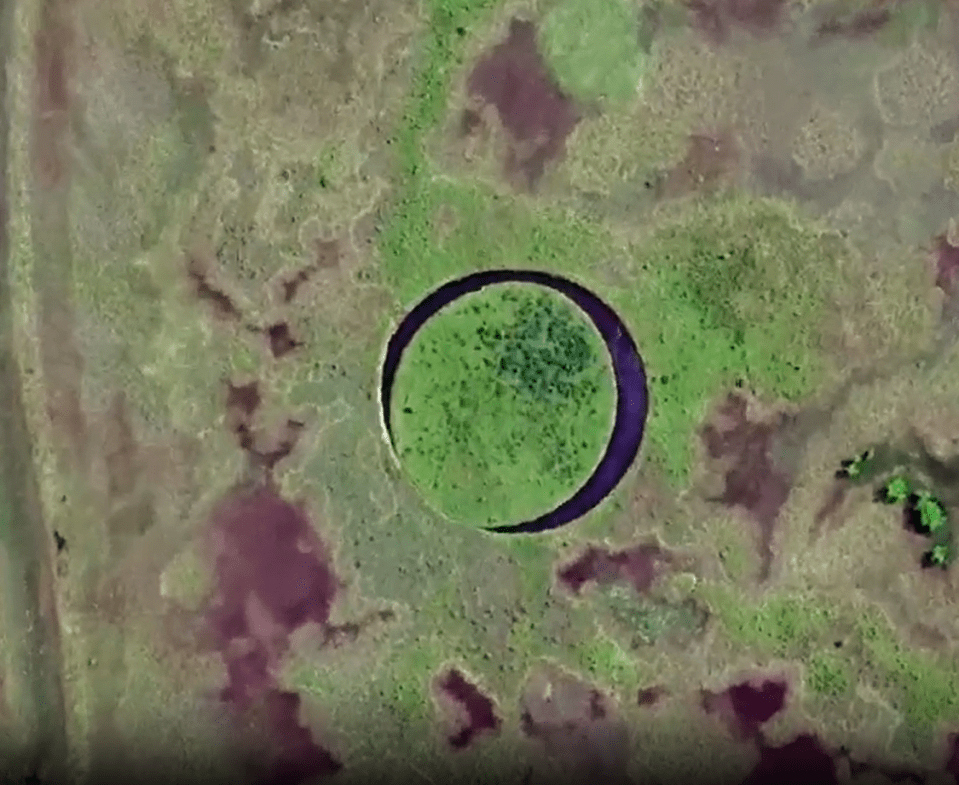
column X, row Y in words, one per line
column 513, row 400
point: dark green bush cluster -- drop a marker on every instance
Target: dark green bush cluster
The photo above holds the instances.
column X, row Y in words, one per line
column 927, row 515
column 548, row 352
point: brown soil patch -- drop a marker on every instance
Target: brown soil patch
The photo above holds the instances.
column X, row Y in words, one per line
column 747, row 706
column 709, row 159
column 199, row 274
column 639, row 566
column 327, row 255
column 861, row 24
column 576, row 725
column 281, row 340
column 273, row 576
column 475, row 712
column 946, row 259
column 717, row 19
column 651, row 697
column 752, row 480
column 536, row 114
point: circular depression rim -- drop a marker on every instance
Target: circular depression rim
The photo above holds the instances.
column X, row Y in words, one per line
column 632, row 398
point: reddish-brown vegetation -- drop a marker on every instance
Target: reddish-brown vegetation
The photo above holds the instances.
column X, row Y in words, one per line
column 281, row 339
column 709, row 159
column 803, row 761
column 638, row 566
column 946, row 258
column 535, row 113
column 273, row 575
column 861, row 25
column 223, row 306
column 746, row 707
column 651, row 696
column 476, row 710
column 752, row 481
column 576, row 724
column 716, row 19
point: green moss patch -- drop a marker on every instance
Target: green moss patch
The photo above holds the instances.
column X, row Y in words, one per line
column 594, row 48
column 503, row 404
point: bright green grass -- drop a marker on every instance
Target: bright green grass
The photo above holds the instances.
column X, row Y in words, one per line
column 733, row 290
column 593, row 48
column 782, row 626
column 503, row 404
column 827, row 674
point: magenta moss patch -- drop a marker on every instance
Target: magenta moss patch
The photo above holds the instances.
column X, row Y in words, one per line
column 747, row 706
column 639, row 566
column 751, row 479
column 478, row 712
column 273, row 576
column 533, row 110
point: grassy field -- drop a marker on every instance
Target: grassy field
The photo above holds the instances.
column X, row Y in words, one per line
column 503, row 405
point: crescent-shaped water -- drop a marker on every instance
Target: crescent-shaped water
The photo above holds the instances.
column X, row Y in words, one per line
column 632, row 399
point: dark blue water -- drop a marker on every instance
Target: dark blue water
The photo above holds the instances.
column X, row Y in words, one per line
column 631, row 393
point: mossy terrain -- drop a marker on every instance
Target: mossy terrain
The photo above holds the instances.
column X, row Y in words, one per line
column 503, row 404
column 594, row 49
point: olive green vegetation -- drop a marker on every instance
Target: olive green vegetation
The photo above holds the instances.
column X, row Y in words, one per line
column 925, row 687
column 827, row 674
column 780, row 626
column 594, row 48
column 922, row 686
column 503, row 404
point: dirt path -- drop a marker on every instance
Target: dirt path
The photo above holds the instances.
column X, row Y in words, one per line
column 31, row 621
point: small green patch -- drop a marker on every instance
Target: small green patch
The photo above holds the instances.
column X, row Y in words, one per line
column 594, row 48
column 856, row 467
column 828, row 675
column 932, row 515
column 503, row 404
column 897, row 490
column 606, row 661
column 782, row 626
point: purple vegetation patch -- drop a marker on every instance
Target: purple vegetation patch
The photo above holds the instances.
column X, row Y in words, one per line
column 803, row 761
column 479, row 710
column 223, row 307
column 273, row 576
column 952, row 753
column 640, row 566
column 746, row 707
column 536, row 114
column 752, row 480
column 946, row 256
column 716, row 19
column 281, row 339
column 651, row 696
column 860, row 25
column 298, row 758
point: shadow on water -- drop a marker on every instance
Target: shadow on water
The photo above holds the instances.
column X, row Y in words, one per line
column 630, row 376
